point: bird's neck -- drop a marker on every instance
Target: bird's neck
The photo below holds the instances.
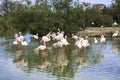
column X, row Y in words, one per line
column 44, row 43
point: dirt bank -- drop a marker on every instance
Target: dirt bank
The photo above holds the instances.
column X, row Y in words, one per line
column 107, row 31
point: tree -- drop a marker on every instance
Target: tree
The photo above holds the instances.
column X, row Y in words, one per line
column 116, row 11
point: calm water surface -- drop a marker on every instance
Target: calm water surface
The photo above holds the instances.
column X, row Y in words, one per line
column 99, row 62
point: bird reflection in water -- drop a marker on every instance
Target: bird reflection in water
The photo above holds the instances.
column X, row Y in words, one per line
column 61, row 60
column 20, row 59
column 45, row 64
column 97, row 57
column 81, row 61
column 102, row 58
column 42, row 61
column 95, row 63
column 116, row 47
column 87, row 59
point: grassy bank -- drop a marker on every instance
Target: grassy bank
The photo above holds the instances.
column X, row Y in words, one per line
column 95, row 31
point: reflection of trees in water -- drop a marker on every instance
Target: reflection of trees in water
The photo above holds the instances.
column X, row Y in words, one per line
column 61, row 67
column 52, row 61
column 30, row 61
column 92, row 57
column 95, row 57
column 116, row 45
column 20, row 59
column 81, row 61
column 60, row 62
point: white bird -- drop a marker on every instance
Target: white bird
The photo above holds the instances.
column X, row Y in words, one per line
column 16, row 35
column 24, row 43
column 64, row 41
column 85, row 43
column 75, row 37
column 102, row 39
column 53, row 35
column 46, row 38
column 58, row 30
column 115, row 34
column 21, row 37
column 41, row 47
column 95, row 40
column 78, row 43
column 35, row 36
column 58, row 44
column 15, row 42
column 59, row 35
column 18, row 39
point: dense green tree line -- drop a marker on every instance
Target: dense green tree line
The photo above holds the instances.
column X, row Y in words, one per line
column 44, row 15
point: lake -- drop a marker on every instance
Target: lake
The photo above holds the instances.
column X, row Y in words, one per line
column 99, row 62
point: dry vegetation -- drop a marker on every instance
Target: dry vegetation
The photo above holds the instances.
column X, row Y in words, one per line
column 107, row 31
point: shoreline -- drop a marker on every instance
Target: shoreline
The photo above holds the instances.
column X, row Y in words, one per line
column 97, row 31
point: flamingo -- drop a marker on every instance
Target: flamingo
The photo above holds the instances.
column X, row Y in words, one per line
column 115, row 34
column 53, row 35
column 58, row 29
column 17, row 39
column 85, row 43
column 95, row 40
column 46, row 38
column 40, row 48
column 35, row 36
column 58, row 44
column 16, row 35
column 24, row 43
column 21, row 37
column 74, row 36
column 49, row 34
column 78, row 43
column 59, row 35
column 102, row 39
column 64, row 41
column 15, row 42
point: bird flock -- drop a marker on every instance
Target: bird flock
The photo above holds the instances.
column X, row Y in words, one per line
column 59, row 38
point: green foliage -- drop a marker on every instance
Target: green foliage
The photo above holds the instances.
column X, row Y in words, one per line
column 116, row 11
column 48, row 15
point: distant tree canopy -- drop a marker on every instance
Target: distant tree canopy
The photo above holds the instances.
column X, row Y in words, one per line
column 42, row 16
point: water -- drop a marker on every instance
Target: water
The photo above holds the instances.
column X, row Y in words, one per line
column 100, row 62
